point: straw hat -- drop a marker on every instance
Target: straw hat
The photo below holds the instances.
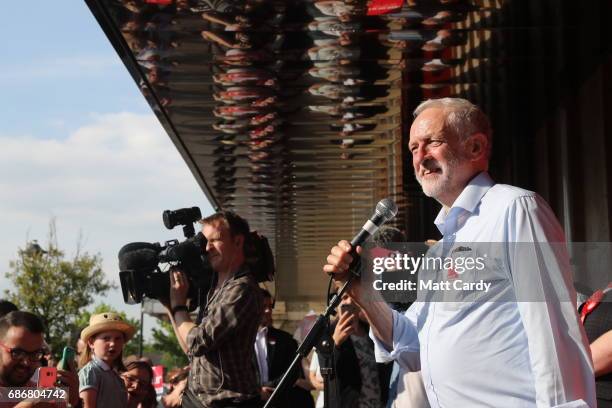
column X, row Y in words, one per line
column 107, row 321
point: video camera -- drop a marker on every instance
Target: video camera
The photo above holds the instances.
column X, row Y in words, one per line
column 139, row 262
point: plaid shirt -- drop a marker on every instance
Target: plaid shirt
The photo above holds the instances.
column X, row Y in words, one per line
column 221, row 346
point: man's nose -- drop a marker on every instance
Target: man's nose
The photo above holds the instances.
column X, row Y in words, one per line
column 419, row 155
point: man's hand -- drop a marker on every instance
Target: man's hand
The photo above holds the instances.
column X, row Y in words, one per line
column 339, row 259
column 338, row 262
column 181, row 322
column 173, row 399
column 70, row 380
column 344, row 328
column 179, row 287
column 265, row 393
column 377, row 312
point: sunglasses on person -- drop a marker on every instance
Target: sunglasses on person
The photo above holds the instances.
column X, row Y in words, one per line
column 20, row 354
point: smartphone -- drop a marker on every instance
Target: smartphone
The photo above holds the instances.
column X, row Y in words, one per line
column 346, row 308
column 47, row 377
column 67, row 358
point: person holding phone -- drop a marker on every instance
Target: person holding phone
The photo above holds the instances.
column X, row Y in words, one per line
column 21, row 352
column 361, row 380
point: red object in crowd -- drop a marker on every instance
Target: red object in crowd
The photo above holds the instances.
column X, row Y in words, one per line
column 593, row 302
column 158, row 379
column 378, row 7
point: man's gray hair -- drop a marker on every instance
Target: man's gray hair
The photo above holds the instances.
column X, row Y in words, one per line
column 461, row 116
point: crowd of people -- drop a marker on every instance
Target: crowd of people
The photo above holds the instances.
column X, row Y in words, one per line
column 99, row 377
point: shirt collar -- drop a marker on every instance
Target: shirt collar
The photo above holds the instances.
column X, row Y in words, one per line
column 468, row 200
column 243, row 270
column 101, row 364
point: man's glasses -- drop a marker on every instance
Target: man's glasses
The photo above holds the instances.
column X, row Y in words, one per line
column 19, row 354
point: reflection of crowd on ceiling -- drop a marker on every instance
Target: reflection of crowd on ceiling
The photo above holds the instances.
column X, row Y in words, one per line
column 268, row 59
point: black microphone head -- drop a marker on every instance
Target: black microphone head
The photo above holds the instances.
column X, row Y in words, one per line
column 386, row 209
column 138, row 256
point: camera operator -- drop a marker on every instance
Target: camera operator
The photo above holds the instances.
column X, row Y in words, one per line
column 220, row 347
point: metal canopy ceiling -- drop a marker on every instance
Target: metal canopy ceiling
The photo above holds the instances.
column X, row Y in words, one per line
column 290, row 111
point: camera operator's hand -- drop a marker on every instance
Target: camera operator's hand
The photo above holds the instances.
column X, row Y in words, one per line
column 179, row 287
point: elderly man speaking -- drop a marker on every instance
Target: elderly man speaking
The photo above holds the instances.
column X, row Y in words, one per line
column 523, row 348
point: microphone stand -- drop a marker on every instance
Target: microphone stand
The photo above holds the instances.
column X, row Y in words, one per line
column 385, row 210
column 319, row 335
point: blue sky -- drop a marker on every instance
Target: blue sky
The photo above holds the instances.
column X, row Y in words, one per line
column 58, row 68
column 79, row 143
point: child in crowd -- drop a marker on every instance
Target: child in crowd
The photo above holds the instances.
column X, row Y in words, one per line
column 99, row 382
column 138, row 379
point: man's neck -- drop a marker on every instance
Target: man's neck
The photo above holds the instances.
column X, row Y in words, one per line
column 449, row 199
column 222, row 277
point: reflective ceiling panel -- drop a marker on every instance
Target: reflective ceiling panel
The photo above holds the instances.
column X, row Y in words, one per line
column 290, row 112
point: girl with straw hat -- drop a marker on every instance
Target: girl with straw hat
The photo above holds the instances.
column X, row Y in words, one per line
column 99, row 382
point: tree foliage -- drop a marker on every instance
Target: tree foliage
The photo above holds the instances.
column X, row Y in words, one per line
column 165, row 341
column 55, row 287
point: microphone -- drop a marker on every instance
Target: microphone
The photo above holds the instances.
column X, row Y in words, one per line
column 138, row 255
column 385, row 210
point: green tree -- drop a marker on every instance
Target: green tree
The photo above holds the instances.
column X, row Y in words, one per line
column 131, row 347
column 165, row 341
column 54, row 287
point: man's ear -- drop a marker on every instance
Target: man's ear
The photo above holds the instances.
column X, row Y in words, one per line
column 478, row 146
column 239, row 241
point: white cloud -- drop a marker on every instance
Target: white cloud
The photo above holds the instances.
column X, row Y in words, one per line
column 58, row 67
column 110, row 179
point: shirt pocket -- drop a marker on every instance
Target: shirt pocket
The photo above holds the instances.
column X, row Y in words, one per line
column 208, row 374
column 475, row 275
column 487, row 280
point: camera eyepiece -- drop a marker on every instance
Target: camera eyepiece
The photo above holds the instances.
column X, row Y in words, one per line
column 182, row 216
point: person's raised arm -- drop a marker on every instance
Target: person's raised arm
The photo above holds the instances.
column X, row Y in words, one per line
column 378, row 313
column 601, row 350
column 89, row 397
column 174, row 323
column 181, row 321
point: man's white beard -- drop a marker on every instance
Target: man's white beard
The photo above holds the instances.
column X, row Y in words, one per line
column 440, row 182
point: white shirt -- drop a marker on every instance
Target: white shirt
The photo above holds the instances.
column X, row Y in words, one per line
column 316, row 368
column 508, row 350
column 261, row 351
